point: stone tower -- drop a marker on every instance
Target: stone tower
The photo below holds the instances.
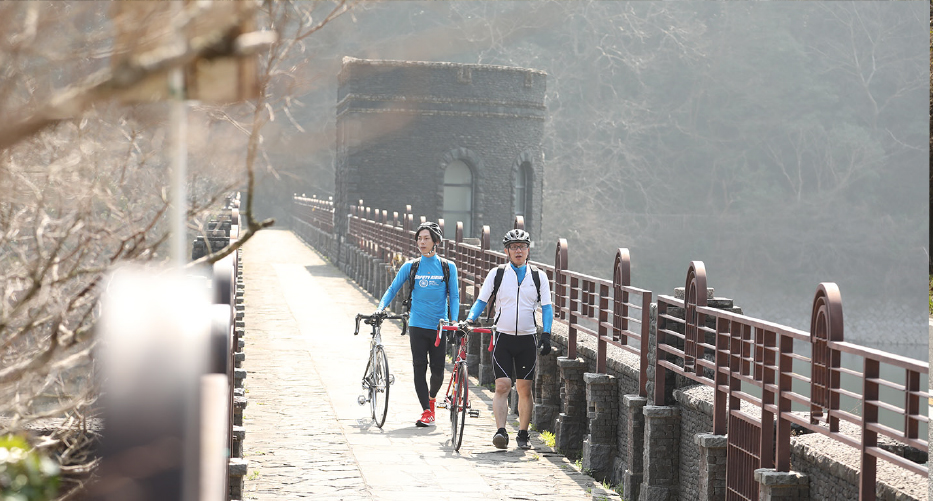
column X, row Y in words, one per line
column 455, row 141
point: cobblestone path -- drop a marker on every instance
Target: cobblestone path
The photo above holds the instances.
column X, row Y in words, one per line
column 305, row 433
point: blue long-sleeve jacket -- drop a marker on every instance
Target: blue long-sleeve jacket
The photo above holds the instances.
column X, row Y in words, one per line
column 429, row 301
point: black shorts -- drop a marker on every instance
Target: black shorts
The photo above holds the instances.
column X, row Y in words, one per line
column 514, row 356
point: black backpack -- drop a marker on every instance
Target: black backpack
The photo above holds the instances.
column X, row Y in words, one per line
column 445, row 265
column 500, row 271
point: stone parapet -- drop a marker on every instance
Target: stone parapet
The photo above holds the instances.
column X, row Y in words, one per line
column 712, row 466
column 631, row 465
column 571, row 423
column 782, row 486
column 602, row 402
column 661, row 479
column 546, row 392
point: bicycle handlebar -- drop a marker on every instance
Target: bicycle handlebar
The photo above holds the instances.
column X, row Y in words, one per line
column 444, row 325
column 376, row 320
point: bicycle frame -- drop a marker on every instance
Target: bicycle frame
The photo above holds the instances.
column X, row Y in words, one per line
column 457, row 397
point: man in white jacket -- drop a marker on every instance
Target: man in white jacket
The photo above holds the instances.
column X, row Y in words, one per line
column 517, row 292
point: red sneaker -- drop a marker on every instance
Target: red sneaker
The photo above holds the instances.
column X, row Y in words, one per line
column 427, row 419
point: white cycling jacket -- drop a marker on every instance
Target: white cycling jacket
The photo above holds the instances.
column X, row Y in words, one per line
column 516, row 303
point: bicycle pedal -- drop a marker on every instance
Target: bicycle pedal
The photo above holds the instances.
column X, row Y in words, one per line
column 361, row 400
column 391, row 378
column 440, row 405
column 473, row 413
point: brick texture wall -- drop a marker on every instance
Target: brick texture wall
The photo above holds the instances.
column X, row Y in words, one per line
column 400, row 123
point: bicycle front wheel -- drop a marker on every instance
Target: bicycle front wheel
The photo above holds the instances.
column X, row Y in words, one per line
column 458, row 411
column 379, row 391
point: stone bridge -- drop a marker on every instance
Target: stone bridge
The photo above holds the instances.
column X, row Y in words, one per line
column 643, row 387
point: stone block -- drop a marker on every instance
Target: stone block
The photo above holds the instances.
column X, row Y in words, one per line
column 710, row 441
column 569, row 434
column 598, row 459
column 236, row 470
column 544, row 416
column 767, row 476
column 631, row 485
column 239, row 434
column 654, row 493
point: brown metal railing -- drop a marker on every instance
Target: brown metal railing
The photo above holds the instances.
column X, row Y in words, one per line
column 316, row 212
column 745, row 360
column 752, row 361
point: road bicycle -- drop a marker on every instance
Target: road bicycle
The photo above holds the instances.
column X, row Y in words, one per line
column 457, row 398
column 376, row 377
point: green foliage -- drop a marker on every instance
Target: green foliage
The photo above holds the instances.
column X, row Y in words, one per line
column 614, row 488
column 931, row 294
column 578, row 464
column 550, row 440
column 25, row 474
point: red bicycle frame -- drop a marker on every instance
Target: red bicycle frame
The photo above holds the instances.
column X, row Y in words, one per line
column 457, row 397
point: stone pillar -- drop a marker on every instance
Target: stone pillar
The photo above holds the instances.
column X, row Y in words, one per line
column 782, row 486
column 712, row 466
column 387, row 277
column 513, row 400
column 547, row 392
column 652, row 352
column 474, row 351
column 375, row 267
column 571, row 423
column 485, row 374
column 236, row 470
column 367, row 273
column 352, row 260
column 662, row 454
column 633, row 414
column 602, row 402
column 362, row 267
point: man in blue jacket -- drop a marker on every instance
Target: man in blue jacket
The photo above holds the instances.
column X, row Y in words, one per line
column 434, row 296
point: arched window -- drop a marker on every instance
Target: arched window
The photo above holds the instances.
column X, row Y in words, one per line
column 521, row 187
column 458, row 199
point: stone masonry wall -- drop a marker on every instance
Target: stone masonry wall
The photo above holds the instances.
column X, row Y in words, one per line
column 696, row 418
column 400, row 123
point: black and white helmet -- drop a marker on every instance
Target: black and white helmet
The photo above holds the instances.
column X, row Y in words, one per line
column 516, row 236
column 433, row 228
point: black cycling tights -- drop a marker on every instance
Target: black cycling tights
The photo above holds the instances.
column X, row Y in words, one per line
column 423, row 350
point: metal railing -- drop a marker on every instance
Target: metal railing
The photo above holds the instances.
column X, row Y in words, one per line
column 318, row 213
column 752, row 361
column 743, row 359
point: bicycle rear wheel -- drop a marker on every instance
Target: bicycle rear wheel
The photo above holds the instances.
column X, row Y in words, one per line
column 379, row 390
column 458, row 411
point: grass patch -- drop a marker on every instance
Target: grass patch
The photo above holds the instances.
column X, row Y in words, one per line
column 614, row 488
column 931, row 294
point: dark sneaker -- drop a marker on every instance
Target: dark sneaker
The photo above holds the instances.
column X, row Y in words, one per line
column 522, row 440
column 500, row 439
